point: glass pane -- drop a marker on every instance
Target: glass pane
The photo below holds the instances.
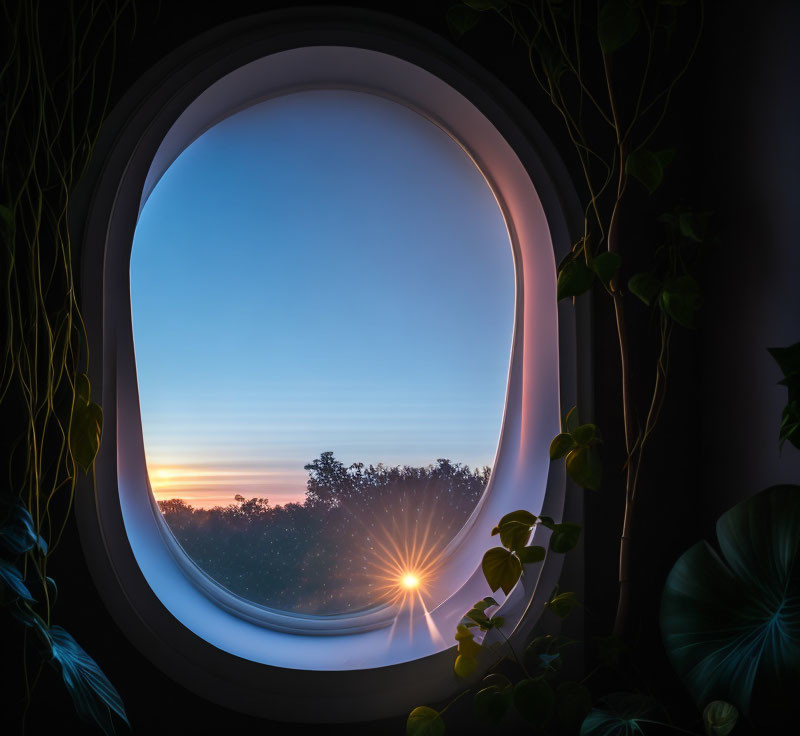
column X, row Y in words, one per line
column 322, row 289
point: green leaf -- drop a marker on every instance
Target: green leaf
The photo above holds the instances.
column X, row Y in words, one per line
column 644, row 166
column 719, row 718
column 617, row 24
column 464, row 666
column 525, row 517
column 514, row 535
column 515, row 529
column 574, row 278
column 501, row 569
column 469, row 648
column 691, row 226
column 573, row 703
column 535, row 700
column 585, row 467
column 606, row 265
column 561, row 445
column 461, row 19
column 84, row 434
column 585, row 434
column 529, row 555
column 562, row 604
column 730, row 618
column 547, row 522
column 787, row 358
column 565, row 536
column 645, row 286
column 620, row 715
column 790, row 425
column 7, row 219
column 491, row 704
column 571, row 420
column 424, row 721
column 680, row 299
column 83, row 390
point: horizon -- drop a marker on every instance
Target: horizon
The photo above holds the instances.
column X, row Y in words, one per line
column 273, row 318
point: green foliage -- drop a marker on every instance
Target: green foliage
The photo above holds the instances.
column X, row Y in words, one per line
column 680, row 299
column 461, row 19
column 789, row 361
column 492, row 701
column 562, row 604
column 424, row 721
column 565, row 536
column 617, row 24
column 645, row 286
column 573, row 703
column 86, row 426
column 535, row 700
column 574, row 278
column 465, row 666
column 606, row 265
column 529, row 555
column 719, row 718
column 729, row 618
column 647, row 167
column 578, row 444
column 501, row 569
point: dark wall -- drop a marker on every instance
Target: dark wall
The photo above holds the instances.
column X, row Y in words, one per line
column 737, row 117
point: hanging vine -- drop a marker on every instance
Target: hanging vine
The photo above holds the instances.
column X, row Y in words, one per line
column 55, row 85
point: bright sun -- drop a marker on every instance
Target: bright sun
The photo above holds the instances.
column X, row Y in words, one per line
column 410, row 581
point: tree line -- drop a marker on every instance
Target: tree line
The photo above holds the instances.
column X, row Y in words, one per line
column 324, row 555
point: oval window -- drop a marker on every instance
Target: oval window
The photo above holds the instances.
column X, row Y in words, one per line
column 323, row 297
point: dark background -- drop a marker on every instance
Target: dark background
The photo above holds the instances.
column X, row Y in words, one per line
column 736, row 120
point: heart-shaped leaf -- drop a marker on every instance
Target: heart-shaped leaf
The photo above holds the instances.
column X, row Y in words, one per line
column 464, row 666
column 617, row 24
column 491, row 703
column 719, row 718
column 17, row 534
column 680, row 299
column 730, row 620
column 606, row 265
column 574, row 278
column 424, row 721
column 461, row 19
column 645, row 166
column 565, row 536
column 561, row 445
column 645, row 286
column 535, row 700
column 501, row 569
column 11, row 578
column 573, row 703
column 585, row 467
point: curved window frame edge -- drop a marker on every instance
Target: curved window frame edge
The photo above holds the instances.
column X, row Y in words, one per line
column 230, row 651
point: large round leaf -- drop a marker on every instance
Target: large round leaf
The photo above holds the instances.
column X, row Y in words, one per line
column 731, row 619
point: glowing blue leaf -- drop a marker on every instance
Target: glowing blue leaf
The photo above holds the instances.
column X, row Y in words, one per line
column 17, row 533
column 621, row 714
column 11, row 577
column 94, row 697
column 731, row 619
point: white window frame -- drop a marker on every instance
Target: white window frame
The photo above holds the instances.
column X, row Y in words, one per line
column 232, row 651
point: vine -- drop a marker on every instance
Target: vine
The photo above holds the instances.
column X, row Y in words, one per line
column 56, row 84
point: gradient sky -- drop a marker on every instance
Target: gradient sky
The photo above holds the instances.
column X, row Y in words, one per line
column 326, row 270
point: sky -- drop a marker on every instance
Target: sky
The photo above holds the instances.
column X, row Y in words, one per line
column 326, row 270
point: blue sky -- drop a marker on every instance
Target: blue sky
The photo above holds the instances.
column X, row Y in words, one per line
column 326, row 270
